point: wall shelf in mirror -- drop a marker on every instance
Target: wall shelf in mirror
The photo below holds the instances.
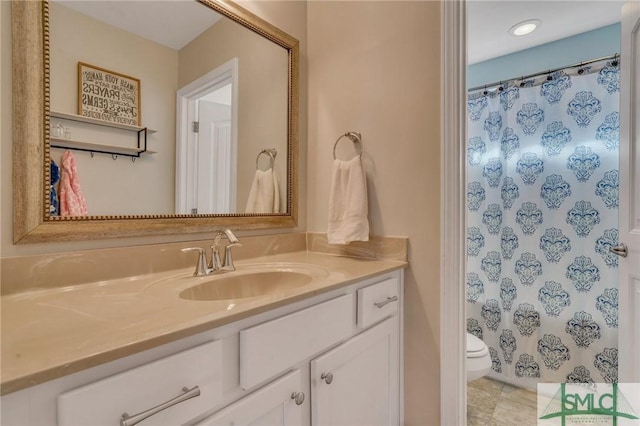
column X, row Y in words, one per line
column 81, row 119
column 95, row 146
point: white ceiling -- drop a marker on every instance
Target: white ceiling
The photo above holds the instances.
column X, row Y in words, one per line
column 174, row 23
column 488, row 23
column 170, row 23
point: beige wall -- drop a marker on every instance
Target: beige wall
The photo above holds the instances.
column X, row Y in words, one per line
column 288, row 16
column 117, row 187
column 374, row 68
column 262, row 94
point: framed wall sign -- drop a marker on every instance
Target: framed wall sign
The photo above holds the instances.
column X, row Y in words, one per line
column 108, row 95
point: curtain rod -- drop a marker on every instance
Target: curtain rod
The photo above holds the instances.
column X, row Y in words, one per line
column 526, row 77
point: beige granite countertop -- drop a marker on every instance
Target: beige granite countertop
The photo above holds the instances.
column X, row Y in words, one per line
column 50, row 333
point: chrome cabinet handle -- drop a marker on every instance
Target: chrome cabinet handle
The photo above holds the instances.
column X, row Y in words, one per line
column 620, row 250
column 128, row 420
column 389, row 300
column 298, row 397
column 327, row 377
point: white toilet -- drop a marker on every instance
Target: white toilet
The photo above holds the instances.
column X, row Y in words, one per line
column 478, row 358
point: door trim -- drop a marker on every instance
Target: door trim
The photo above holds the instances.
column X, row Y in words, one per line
column 452, row 213
column 184, row 109
column 629, row 289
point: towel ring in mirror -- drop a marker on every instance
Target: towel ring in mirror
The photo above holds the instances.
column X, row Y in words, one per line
column 271, row 152
column 355, row 137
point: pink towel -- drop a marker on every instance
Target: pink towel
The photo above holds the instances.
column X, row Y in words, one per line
column 72, row 202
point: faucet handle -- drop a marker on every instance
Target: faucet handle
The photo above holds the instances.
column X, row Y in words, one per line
column 228, row 260
column 201, row 266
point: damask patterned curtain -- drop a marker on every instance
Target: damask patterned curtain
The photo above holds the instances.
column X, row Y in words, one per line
column 542, row 212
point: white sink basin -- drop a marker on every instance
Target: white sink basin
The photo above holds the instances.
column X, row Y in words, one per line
column 252, row 281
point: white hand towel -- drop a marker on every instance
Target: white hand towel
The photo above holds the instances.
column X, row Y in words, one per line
column 348, row 203
column 264, row 196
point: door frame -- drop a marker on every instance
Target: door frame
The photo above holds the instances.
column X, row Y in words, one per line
column 453, row 64
column 452, row 276
column 629, row 291
column 184, row 109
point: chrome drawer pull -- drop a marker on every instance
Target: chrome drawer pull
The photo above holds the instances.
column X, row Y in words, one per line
column 389, row 300
column 128, row 420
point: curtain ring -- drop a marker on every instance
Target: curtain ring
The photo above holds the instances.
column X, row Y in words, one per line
column 549, row 77
column 133, row 159
column 114, row 156
column 91, row 154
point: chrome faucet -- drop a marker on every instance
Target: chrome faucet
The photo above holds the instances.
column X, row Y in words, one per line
column 215, row 265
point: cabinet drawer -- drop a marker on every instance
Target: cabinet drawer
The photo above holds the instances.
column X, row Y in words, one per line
column 272, row 347
column 144, row 387
column 377, row 301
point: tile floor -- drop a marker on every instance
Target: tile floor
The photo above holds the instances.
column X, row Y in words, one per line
column 494, row 403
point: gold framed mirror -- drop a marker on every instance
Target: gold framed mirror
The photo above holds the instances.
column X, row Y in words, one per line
column 33, row 149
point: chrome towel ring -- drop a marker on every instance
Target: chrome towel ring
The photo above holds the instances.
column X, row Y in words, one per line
column 271, row 152
column 355, row 137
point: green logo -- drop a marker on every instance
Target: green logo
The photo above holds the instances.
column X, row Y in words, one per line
column 587, row 403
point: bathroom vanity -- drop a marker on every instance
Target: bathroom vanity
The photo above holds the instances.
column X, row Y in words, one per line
column 324, row 350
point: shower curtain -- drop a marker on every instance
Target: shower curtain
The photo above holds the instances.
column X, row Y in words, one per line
column 542, row 212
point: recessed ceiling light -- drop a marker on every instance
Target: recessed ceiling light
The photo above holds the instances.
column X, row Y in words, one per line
column 525, row 27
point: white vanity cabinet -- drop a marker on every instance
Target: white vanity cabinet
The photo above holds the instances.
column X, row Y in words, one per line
column 331, row 359
column 355, row 383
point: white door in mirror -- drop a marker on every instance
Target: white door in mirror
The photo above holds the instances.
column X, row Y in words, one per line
column 216, row 170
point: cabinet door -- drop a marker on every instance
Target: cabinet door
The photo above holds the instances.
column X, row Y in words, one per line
column 278, row 403
column 358, row 383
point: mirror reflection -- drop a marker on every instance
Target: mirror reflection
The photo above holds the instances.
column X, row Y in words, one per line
column 207, row 133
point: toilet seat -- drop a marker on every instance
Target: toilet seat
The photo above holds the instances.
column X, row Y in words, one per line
column 476, row 347
column 478, row 358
